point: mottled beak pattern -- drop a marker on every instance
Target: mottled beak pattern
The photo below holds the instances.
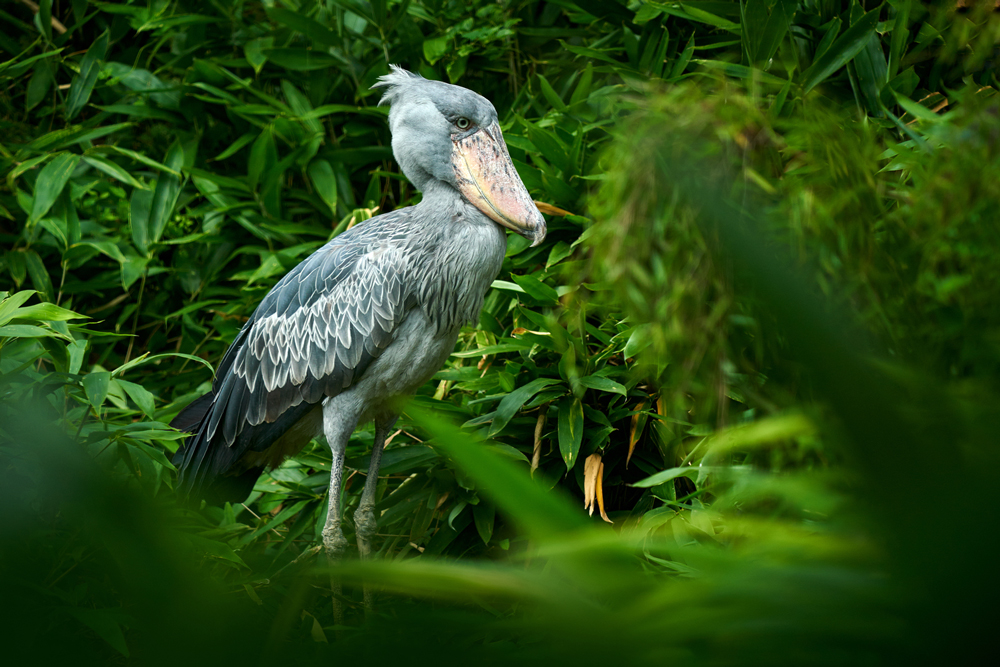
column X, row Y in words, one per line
column 487, row 179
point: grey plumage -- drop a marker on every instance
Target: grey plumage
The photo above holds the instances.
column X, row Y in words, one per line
column 325, row 321
column 370, row 316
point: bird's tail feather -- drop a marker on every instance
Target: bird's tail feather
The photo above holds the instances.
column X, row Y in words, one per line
column 189, row 457
column 190, row 418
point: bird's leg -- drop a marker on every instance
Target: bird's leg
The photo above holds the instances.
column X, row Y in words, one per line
column 334, row 543
column 365, row 522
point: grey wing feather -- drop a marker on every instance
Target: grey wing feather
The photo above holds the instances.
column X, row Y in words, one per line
column 321, row 331
column 312, row 336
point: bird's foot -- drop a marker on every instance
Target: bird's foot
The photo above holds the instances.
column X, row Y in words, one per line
column 366, row 525
column 334, row 544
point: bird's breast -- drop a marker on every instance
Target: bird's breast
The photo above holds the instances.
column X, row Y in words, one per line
column 459, row 272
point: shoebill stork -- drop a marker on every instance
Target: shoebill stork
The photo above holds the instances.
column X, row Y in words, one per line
column 368, row 318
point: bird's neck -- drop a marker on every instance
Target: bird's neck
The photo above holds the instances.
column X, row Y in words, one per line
column 467, row 251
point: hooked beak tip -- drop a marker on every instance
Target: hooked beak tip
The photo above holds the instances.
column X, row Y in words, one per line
column 537, row 232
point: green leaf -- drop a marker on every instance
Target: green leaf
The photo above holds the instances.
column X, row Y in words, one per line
column 667, row 475
column 140, row 395
column 168, row 188
column 765, row 431
column 551, row 148
column 570, row 430
column 513, row 346
column 741, row 71
column 916, row 109
column 582, row 91
column 324, row 182
column 513, row 401
column 50, row 184
column 542, row 513
column 900, row 35
column 312, row 29
column 301, row 60
column 105, row 624
column 139, row 157
column 484, row 515
column 404, row 459
column 242, row 141
column 146, row 358
column 43, row 312
column 764, row 26
column 138, row 216
column 842, row 51
column 83, row 83
column 139, row 111
column 681, row 63
column 114, row 171
column 603, row 384
column 216, row 548
column 25, row 331
column 300, row 106
column 550, row 94
column 132, row 269
column 708, row 18
column 254, row 52
column 26, row 166
column 536, row 289
column 218, row 179
column 38, row 86
column 826, row 41
column 10, row 304
column 96, row 386
column 39, row 275
column 263, row 157
column 77, row 351
column 435, row 49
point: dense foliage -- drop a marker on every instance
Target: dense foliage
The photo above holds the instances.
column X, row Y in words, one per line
column 761, row 337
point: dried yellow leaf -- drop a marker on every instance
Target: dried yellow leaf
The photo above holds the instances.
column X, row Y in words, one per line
column 633, row 436
column 591, row 468
column 600, row 493
column 536, row 453
column 549, row 209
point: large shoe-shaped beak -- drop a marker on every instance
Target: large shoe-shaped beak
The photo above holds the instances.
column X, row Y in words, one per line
column 487, row 179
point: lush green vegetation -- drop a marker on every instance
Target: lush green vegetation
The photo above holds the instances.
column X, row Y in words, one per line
column 762, row 337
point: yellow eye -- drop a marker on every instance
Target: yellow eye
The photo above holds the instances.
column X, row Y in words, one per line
column 463, row 123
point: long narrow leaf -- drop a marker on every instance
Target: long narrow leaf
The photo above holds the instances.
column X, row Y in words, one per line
column 83, row 83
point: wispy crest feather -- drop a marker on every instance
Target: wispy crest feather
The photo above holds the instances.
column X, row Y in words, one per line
column 394, row 82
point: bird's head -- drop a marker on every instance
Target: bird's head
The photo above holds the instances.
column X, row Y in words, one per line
column 451, row 135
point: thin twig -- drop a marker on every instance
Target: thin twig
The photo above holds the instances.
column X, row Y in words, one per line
column 59, row 27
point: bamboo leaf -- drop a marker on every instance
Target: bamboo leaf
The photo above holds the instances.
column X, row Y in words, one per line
column 140, row 395
column 168, row 188
column 603, row 384
column 484, row 514
column 96, row 385
column 83, row 83
column 50, row 184
column 513, row 401
column 550, row 94
column 325, row 183
column 10, row 304
column 139, row 209
column 301, row 60
column 570, row 430
column 114, row 171
column 843, row 50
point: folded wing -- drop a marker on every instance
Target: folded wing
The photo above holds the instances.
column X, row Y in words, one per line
column 312, row 336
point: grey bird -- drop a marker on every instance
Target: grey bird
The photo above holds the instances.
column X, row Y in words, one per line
column 349, row 333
